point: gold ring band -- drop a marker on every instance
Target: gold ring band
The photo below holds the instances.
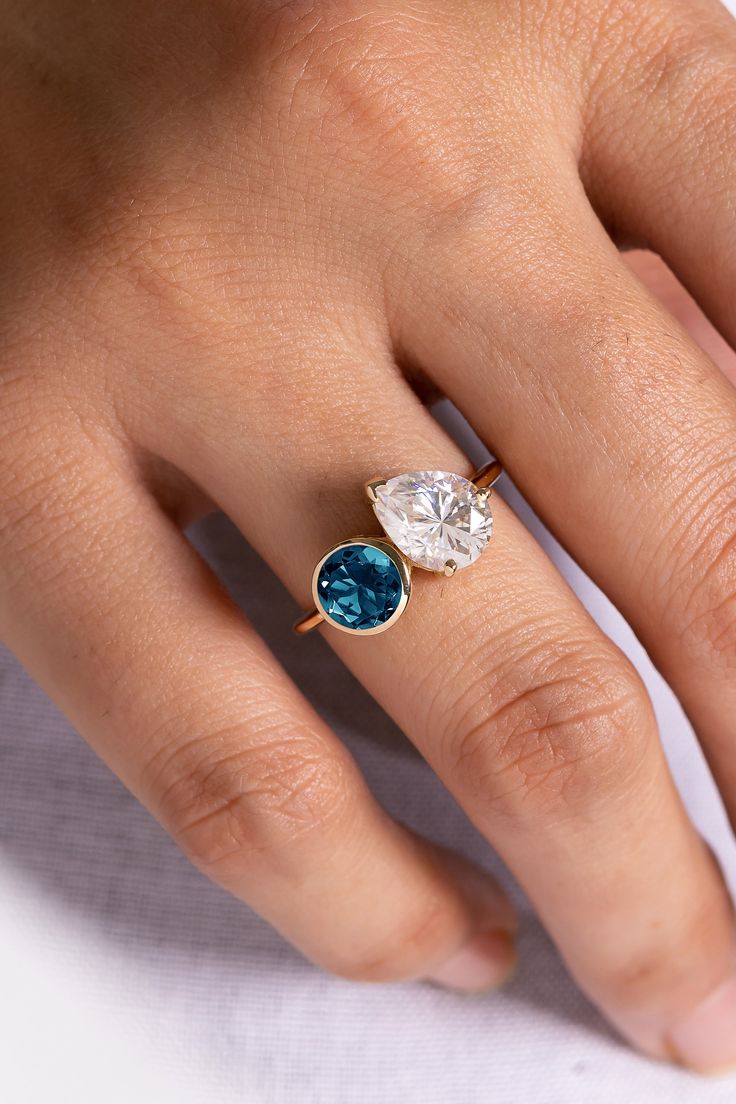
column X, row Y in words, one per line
column 437, row 521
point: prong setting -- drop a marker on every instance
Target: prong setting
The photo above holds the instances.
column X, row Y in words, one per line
column 438, row 521
column 372, row 486
column 434, row 517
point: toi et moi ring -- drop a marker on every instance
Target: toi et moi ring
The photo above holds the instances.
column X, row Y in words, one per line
column 434, row 520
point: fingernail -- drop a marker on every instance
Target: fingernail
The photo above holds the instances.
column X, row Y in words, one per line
column 485, row 962
column 706, row 1040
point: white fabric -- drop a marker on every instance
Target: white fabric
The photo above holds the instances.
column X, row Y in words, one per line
column 127, row 977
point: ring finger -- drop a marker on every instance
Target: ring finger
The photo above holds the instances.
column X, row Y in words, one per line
column 533, row 719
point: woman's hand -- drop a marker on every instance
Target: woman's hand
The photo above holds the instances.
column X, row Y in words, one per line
column 237, row 239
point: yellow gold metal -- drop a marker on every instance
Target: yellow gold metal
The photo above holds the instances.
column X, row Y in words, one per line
column 487, row 475
column 372, row 486
column 316, row 616
column 308, row 622
column 483, row 479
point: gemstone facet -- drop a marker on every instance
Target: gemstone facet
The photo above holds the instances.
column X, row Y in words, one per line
column 434, row 518
column 361, row 585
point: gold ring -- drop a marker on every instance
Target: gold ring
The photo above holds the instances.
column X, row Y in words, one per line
column 433, row 520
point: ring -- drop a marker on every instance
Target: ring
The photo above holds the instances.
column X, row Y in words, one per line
column 434, row 520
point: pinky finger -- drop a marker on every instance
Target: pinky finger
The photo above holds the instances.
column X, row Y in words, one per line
column 114, row 613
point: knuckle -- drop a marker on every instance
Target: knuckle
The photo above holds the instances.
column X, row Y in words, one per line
column 332, row 46
column 677, row 59
column 625, row 28
column 358, row 78
column 396, row 954
column 550, row 733
column 662, row 51
column 691, row 79
column 230, row 794
column 323, row 61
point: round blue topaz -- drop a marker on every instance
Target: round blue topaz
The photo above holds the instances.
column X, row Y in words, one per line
column 359, row 587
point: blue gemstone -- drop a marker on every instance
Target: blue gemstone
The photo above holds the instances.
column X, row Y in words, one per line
column 359, row 586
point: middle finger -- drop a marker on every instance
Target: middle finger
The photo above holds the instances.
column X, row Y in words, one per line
column 617, row 428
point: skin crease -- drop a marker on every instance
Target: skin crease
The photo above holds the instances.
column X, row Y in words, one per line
column 234, row 235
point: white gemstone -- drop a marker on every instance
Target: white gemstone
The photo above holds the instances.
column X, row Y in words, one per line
column 434, row 517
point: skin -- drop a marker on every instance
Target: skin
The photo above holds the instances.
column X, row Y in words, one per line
column 239, row 241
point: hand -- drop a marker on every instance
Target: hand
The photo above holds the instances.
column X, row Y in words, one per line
column 237, row 239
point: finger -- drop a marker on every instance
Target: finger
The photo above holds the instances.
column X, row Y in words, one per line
column 660, row 154
column 621, row 435
column 114, row 613
column 532, row 717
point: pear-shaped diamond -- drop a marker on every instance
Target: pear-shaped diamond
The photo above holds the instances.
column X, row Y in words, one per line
column 434, row 518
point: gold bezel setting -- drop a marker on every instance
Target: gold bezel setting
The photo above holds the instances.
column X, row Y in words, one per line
column 398, row 560
column 482, row 482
